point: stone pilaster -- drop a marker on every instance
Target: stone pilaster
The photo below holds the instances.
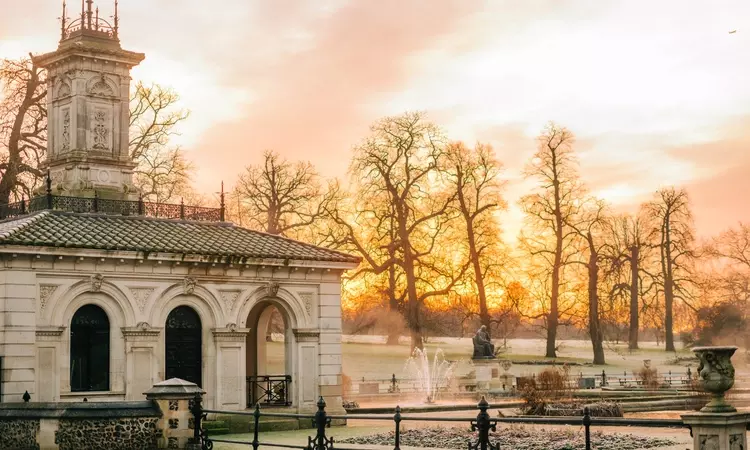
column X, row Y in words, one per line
column 141, row 359
column 48, row 351
column 231, row 355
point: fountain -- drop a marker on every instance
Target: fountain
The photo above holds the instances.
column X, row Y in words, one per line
column 430, row 376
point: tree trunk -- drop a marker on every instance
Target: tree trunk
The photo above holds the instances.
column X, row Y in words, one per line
column 394, row 333
column 413, row 318
column 595, row 329
column 484, row 313
column 633, row 332
column 668, row 287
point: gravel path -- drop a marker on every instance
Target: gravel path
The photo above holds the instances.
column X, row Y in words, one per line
column 516, row 438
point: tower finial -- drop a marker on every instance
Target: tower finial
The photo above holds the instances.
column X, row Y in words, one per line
column 83, row 13
column 89, row 13
column 62, row 24
column 117, row 20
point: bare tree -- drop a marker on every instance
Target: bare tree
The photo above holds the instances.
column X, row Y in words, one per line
column 398, row 166
column 673, row 234
column 280, row 197
column 474, row 175
column 733, row 245
column 163, row 172
column 627, row 252
column 557, row 198
column 589, row 225
column 23, row 127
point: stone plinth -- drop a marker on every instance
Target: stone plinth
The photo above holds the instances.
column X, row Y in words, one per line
column 718, row 431
column 174, row 398
column 483, row 372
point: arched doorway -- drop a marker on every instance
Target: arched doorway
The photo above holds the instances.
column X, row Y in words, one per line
column 269, row 364
column 89, row 350
column 183, row 345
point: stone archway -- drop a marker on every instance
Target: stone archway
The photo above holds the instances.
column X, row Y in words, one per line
column 269, row 362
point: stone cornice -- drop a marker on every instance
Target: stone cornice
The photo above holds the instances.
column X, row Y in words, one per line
column 141, row 330
column 306, row 334
column 49, row 333
column 232, row 334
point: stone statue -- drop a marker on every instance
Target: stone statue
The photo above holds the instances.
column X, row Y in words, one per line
column 483, row 346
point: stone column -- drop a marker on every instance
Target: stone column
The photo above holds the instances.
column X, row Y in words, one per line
column 141, row 347
column 231, row 357
column 718, row 425
column 48, row 349
column 174, row 397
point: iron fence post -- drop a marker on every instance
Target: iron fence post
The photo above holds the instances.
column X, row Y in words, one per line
column 182, row 209
column 256, row 421
column 23, row 204
column 393, row 383
column 604, row 378
column 320, row 422
column 140, row 204
column 483, row 424
column 397, row 420
column 49, row 190
column 587, row 426
column 96, row 202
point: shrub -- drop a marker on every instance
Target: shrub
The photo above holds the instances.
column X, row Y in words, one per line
column 648, row 377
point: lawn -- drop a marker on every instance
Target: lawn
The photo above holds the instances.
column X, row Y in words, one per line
column 371, row 358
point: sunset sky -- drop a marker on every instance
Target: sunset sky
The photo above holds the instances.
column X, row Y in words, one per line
column 657, row 92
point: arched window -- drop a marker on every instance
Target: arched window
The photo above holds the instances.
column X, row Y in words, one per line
column 183, row 345
column 89, row 350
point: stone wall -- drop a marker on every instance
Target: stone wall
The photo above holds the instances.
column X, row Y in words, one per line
column 19, row 434
column 112, row 425
column 112, row 434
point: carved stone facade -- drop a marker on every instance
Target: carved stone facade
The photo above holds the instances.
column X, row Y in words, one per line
column 88, row 96
column 137, row 298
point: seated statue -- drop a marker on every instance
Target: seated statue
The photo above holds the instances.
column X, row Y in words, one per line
column 483, row 347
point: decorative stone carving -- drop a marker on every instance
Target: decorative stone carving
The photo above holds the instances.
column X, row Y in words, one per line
column 232, row 327
column 101, row 87
column 65, row 142
column 272, row 288
column 45, row 292
column 143, row 326
column 307, row 300
column 709, row 442
column 735, row 442
column 96, row 282
column 716, row 375
column 63, row 90
column 141, row 295
column 101, row 130
column 229, row 298
column 188, row 285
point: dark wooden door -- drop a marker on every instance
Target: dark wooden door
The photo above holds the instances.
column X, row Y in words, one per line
column 184, row 357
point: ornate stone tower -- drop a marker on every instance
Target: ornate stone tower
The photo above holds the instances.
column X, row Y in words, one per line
column 88, row 97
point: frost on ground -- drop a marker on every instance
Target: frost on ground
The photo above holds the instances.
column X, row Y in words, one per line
column 515, row 438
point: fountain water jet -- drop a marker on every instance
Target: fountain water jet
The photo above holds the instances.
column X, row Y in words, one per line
column 430, row 376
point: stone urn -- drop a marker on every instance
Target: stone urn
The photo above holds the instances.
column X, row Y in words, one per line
column 716, row 375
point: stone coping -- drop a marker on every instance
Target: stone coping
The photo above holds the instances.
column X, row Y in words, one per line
column 79, row 410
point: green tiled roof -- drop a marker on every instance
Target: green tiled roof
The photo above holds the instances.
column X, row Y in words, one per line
column 145, row 234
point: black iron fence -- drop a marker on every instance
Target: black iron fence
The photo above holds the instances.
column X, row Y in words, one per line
column 95, row 204
column 483, row 424
column 268, row 390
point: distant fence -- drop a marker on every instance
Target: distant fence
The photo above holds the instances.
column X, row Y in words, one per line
column 483, row 424
column 394, row 385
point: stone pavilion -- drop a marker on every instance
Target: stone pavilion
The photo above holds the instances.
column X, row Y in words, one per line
column 103, row 295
